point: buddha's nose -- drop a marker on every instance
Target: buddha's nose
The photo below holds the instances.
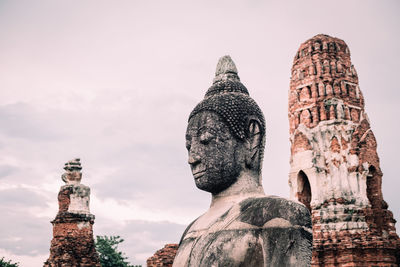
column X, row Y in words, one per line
column 194, row 156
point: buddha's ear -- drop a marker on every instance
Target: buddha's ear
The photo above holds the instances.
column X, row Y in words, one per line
column 254, row 139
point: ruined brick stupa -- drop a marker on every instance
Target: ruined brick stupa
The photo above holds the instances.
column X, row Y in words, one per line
column 163, row 257
column 72, row 243
column 334, row 163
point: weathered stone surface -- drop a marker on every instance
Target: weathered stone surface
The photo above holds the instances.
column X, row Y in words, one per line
column 72, row 173
column 243, row 227
column 163, row 257
column 334, row 164
column 72, row 243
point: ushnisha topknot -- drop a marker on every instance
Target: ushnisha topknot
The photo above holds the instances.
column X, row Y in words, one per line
column 226, row 78
column 230, row 99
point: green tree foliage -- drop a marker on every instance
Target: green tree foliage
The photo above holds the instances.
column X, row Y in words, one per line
column 4, row 263
column 107, row 248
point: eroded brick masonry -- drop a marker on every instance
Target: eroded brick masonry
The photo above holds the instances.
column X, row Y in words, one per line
column 72, row 243
column 335, row 168
column 163, row 257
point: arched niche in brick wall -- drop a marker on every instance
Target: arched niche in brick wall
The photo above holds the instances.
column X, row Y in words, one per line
column 304, row 189
column 372, row 187
column 374, row 197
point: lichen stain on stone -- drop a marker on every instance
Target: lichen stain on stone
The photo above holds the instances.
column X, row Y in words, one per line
column 82, row 225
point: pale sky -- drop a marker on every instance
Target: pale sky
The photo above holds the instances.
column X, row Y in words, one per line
column 113, row 82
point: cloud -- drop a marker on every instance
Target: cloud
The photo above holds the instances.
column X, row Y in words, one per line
column 28, row 236
column 21, row 120
column 143, row 238
column 153, row 179
column 21, row 197
column 24, row 260
column 23, row 233
column 6, row 170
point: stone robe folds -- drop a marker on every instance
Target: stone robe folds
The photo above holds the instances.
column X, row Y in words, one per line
column 254, row 231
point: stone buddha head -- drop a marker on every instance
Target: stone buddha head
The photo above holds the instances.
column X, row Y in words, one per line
column 225, row 136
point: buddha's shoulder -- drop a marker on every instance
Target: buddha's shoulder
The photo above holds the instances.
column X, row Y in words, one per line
column 273, row 211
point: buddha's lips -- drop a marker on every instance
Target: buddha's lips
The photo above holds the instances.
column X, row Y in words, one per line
column 198, row 174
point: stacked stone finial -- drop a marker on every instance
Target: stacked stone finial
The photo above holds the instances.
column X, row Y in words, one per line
column 73, row 172
column 335, row 168
column 72, row 243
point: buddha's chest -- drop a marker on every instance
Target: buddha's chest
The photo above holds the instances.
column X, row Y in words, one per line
column 256, row 232
column 232, row 247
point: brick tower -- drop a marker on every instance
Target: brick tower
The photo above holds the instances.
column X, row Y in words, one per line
column 334, row 163
column 72, row 243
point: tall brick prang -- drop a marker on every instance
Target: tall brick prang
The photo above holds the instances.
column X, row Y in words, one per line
column 335, row 168
column 72, row 243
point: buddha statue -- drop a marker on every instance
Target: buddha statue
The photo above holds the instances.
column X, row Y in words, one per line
column 225, row 140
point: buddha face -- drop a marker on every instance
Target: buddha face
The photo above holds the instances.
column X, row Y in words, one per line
column 215, row 156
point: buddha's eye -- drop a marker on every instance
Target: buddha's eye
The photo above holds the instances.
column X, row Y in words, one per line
column 206, row 137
